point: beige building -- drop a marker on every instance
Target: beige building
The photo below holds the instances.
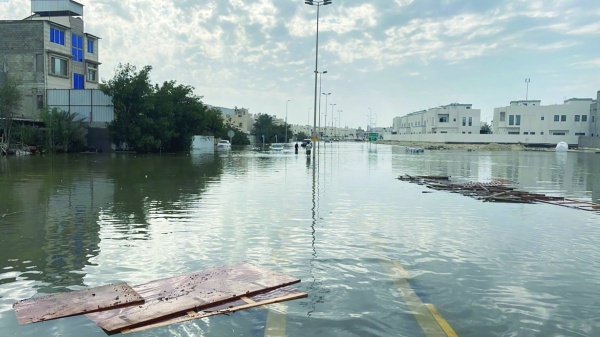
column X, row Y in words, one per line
column 239, row 118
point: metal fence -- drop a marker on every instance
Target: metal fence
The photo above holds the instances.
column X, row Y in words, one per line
column 92, row 104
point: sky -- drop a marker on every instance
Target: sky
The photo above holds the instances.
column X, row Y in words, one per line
column 384, row 58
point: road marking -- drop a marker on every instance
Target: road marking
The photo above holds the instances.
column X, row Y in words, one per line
column 429, row 319
column 441, row 321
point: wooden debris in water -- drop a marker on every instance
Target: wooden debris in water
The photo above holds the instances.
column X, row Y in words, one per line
column 498, row 190
column 76, row 302
column 170, row 297
column 242, row 303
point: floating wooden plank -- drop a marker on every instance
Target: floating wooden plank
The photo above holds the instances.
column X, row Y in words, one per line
column 496, row 191
column 242, row 303
column 76, row 302
column 170, row 296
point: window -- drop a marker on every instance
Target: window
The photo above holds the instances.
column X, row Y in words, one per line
column 584, row 118
column 542, row 117
column 579, row 133
column 532, row 133
column 513, row 132
column 518, row 120
column 77, row 47
column 92, row 72
column 511, row 120
column 592, row 118
column 58, row 66
column 577, row 118
column 39, row 63
column 556, row 118
column 40, row 101
column 503, row 116
column 443, row 119
column 464, row 121
column 525, row 133
column 563, row 118
column 240, row 125
column 57, row 36
column 470, row 121
column 541, row 133
column 78, row 81
column 90, row 45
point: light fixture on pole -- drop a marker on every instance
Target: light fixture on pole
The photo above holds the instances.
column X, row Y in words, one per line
column 320, row 86
column 317, row 3
column 326, row 95
column 340, row 121
column 369, row 124
column 286, row 124
column 527, row 80
column 332, row 119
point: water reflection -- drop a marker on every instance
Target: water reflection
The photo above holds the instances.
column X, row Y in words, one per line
column 567, row 174
column 52, row 208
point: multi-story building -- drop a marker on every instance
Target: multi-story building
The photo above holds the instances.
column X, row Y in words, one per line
column 595, row 117
column 451, row 118
column 240, row 118
column 531, row 118
column 48, row 50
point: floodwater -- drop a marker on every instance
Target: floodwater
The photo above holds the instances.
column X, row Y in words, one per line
column 374, row 253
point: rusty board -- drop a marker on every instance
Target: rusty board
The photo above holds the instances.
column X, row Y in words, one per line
column 75, row 302
column 270, row 297
column 170, row 296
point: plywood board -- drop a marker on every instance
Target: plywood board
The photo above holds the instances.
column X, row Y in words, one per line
column 76, row 302
column 274, row 296
column 170, row 296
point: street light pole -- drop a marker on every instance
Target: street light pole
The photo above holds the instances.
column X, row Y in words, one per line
column 332, row 119
column 321, row 91
column 326, row 96
column 369, row 125
column 318, row 4
column 340, row 121
column 527, row 80
column 286, row 125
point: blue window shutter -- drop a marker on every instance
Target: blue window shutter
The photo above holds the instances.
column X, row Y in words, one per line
column 51, row 34
column 61, row 37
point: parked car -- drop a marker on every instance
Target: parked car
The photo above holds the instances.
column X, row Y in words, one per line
column 304, row 142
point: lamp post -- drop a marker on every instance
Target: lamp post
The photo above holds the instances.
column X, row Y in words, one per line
column 369, row 125
column 340, row 121
column 326, row 96
column 317, row 3
column 286, row 126
column 527, row 80
column 332, row 119
column 320, row 86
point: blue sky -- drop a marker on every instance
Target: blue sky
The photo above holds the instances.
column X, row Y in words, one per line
column 393, row 56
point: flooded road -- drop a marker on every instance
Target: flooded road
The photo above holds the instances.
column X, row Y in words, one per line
column 374, row 254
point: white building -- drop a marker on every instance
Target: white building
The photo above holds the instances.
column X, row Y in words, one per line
column 531, row 118
column 452, row 118
column 595, row 117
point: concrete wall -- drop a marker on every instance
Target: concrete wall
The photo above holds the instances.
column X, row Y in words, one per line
column 430, row 121
column 595, row 117
column 21, row 52
column 479, row 138
column 589, row 142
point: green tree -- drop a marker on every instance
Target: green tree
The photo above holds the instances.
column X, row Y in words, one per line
column 301, row 135
column 131, row 93
column 485, row 128
column 64, row 131
column 238, row 139
column 152, row 118
column 264, row 125
column 10, row 103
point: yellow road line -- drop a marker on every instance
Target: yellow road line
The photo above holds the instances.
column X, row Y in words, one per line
column 429, row 319
column 441, row 321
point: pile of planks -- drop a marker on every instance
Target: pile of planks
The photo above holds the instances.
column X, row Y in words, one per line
column 121, row 308
column 498, row 190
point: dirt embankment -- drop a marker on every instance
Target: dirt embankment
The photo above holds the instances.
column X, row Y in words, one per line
column 468, row 147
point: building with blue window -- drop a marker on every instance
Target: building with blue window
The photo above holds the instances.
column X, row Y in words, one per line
column 48, row 50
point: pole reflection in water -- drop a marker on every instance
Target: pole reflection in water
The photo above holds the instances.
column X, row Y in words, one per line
column 314, row 216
